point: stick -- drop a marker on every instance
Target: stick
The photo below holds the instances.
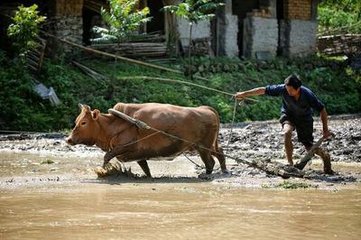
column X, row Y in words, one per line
column 302, row 163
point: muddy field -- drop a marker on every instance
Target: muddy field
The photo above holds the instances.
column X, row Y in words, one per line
column 253, row 141
column 49, row 189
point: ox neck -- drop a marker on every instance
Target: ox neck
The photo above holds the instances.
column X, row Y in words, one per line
column 109, row 127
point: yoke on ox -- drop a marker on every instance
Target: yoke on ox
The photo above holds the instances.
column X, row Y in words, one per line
column 193, row 128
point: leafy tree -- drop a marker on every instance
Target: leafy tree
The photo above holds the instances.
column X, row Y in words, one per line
column 123, row 18
column 194, row 11
column 25, row 28
column 340, row 16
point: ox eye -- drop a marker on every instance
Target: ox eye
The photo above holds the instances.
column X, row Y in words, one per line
column 83, row 123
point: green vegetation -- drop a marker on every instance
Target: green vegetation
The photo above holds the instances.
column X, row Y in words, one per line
column 337, row 85
column 122, row 19
column 47, row 161
column 194, row 11
column 21, row 109
column 25, row 28
column 339, row 16
column 290, row 185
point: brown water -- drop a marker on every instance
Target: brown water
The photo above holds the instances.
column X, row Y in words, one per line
column 75, row 205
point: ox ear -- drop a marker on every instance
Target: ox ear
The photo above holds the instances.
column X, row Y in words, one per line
column 95, row 114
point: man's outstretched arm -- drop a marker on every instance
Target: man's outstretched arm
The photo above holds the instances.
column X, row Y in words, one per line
column 253, row 92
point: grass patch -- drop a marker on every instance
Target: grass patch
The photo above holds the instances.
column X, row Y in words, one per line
column 47, row 161
column 289, row 185
column 337, row 85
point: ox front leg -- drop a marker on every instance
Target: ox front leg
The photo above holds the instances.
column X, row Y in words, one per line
column 118, row 150
column 107, row 157
column 144, row 165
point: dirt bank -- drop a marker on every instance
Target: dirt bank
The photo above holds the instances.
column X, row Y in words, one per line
column 38, row 158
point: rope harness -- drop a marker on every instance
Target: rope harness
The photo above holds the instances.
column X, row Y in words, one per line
column 142, row 125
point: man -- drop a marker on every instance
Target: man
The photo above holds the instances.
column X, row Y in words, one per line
column 296, row 114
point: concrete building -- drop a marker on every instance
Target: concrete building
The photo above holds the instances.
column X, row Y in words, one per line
column 248, row 28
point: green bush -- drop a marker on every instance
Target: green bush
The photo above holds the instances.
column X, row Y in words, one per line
column 336, row 85
column 122, row 18
column 336, row 16
column 25, row 28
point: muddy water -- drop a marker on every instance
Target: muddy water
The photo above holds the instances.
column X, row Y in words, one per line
column 64, row 200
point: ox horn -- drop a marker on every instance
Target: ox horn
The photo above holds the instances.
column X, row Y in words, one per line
column 81, row 106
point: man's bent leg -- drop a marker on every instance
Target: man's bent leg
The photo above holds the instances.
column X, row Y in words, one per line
column 287, row 131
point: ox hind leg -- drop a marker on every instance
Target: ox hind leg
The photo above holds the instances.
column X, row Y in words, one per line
column 218, row 153
column 207, row 159
column 144, row 165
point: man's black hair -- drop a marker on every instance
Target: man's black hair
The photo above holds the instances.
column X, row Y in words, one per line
column 294, row 81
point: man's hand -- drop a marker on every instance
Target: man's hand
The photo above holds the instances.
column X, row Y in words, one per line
column 253, row 92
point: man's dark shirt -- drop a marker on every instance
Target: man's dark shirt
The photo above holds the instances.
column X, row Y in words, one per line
column 302, row 108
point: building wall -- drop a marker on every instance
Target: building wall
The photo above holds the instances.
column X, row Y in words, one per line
column 68, row 20
column 200, row 30
column 230, row 31
column 298, row 9
column 256, row 30
column 302, row 38
column 299, row 28
column 260, row 35
column 69, row 28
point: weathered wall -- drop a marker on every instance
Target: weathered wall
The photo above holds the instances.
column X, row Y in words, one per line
column 346, row 44
column 230, row 31
column 69, row 28
column 260, row 35
column 67, row 19
column 298, row 38
column 298, row 9
column 299, row 28
column 200, row 30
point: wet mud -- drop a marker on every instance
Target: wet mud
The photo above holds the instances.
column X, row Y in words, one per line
column 49, row 189
column 47, row 157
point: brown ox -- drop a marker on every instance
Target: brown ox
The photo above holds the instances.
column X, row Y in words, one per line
column 199, row 126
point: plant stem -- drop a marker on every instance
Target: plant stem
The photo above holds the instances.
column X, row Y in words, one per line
column 189, row 50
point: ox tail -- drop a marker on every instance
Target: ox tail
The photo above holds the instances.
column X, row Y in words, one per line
column 217, row 150
column 216, row 141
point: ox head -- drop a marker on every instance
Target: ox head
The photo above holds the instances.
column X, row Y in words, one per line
column 86, row 127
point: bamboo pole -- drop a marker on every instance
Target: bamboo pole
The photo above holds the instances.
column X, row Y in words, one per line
column 115, row 56
column 120, row 57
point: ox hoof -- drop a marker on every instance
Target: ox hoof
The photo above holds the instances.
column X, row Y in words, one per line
column 205, row 176
column 101, row 172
